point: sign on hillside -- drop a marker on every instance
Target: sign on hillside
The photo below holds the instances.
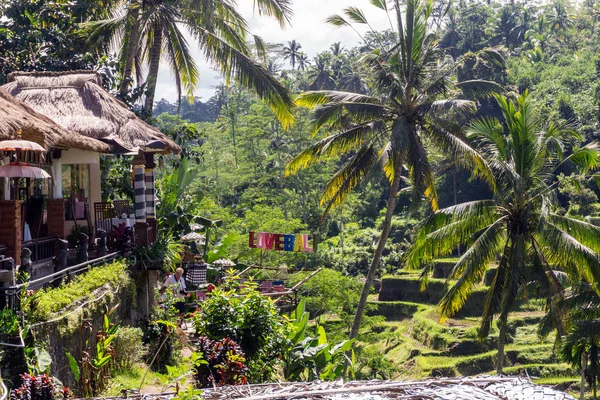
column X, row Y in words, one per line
column 279, row 242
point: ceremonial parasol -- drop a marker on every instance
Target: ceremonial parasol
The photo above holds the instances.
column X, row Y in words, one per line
column 224, row 262
column 20, row 144
column 16, row 170
column 194, row 237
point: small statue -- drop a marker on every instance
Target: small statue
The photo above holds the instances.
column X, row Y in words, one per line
column 102, row 249
column 82, row 249
column 61, row 259
column 26, row 264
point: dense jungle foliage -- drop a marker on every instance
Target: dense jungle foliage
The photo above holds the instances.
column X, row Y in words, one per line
column 465, row 129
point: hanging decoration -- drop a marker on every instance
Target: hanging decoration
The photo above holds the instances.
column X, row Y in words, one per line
column 280, row 242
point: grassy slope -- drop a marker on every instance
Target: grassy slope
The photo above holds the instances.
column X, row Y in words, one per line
column 415, row 344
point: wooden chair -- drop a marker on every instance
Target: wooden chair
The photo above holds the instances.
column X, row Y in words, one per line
column 121, row 206
column 103, row 215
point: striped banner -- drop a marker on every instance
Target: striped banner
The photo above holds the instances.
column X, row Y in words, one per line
column 140, row 193
column 150, row 194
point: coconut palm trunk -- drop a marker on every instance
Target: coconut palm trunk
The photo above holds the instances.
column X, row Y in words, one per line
column 155, row 54
column 132, row 49
column 503, row 327
column 583, row 366
column 385, row 232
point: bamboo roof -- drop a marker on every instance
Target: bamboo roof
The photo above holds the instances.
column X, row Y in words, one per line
column 76, row 101
column 17, row 116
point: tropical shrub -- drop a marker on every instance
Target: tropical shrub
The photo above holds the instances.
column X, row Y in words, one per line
column 219, row 362
column 249, row 319
column 128, row 348
column 39, row 387
column 9, row 322
column 328, row 292
column 161, row 335
column 93, row 370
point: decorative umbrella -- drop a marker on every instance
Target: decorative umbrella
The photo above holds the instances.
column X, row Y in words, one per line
column 20, row 144
column 194, row 237
column 15, row 170
column 224, row 262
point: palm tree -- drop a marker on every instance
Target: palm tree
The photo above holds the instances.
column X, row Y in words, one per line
column 217, row 28
column 292, row 52
column 518, row 224
column 504, row 26
column 559, row 19
column 303, row 62
column 336, row 49
column 581, row 346
column 389, row 127
column 320, row 74
column 582, row 350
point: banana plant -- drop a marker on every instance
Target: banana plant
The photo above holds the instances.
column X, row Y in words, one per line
column 313, row 356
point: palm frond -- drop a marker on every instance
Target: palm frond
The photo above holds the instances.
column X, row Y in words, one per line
column 479, row 89
column 314, row 98
column 560, row 248
column 356, row 15
column 348, row 177
column 381, row 4
column 463, row 154
column 585, row 158
column 471, row 268
column 337, row 21
column 333, row 145
column 584, row 232
column 281, row 10
column 182, row 61
column 248, row 73
column 443, row 230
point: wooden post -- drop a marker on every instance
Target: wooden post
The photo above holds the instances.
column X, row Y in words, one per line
column 11, row 233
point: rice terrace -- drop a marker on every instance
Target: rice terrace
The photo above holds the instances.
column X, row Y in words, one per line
column 285, row 199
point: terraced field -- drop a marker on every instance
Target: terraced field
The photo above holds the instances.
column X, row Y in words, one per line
column 414, row 342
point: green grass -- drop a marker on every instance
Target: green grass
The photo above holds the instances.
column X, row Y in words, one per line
column 556, row 380
column 131, row 379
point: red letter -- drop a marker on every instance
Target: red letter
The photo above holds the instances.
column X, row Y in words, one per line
column 251, row 241
column 278, row 242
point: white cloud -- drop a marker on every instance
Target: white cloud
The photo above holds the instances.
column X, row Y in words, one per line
column 308, row 28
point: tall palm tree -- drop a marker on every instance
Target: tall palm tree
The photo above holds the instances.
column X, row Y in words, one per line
column 218, row 30
column 320, row 74
column 336, row 49
column 519, row 224
column 504, row 25
column 292, row 52
column 559, row 19
column 390, row 126
column 303, row 62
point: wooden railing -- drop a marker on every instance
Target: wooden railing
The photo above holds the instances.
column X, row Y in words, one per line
column 42, row 249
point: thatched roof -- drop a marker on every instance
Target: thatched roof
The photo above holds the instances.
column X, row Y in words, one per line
column 471, row 388
column 76, row 101
column 17, row 116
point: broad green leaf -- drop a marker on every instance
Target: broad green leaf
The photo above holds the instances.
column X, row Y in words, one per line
column 74, row 366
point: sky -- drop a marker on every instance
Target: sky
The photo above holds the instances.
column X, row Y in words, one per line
column 307, row 27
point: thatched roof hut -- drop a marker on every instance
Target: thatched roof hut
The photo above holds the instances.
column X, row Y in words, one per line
column 76, row 101
column 17, row 116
